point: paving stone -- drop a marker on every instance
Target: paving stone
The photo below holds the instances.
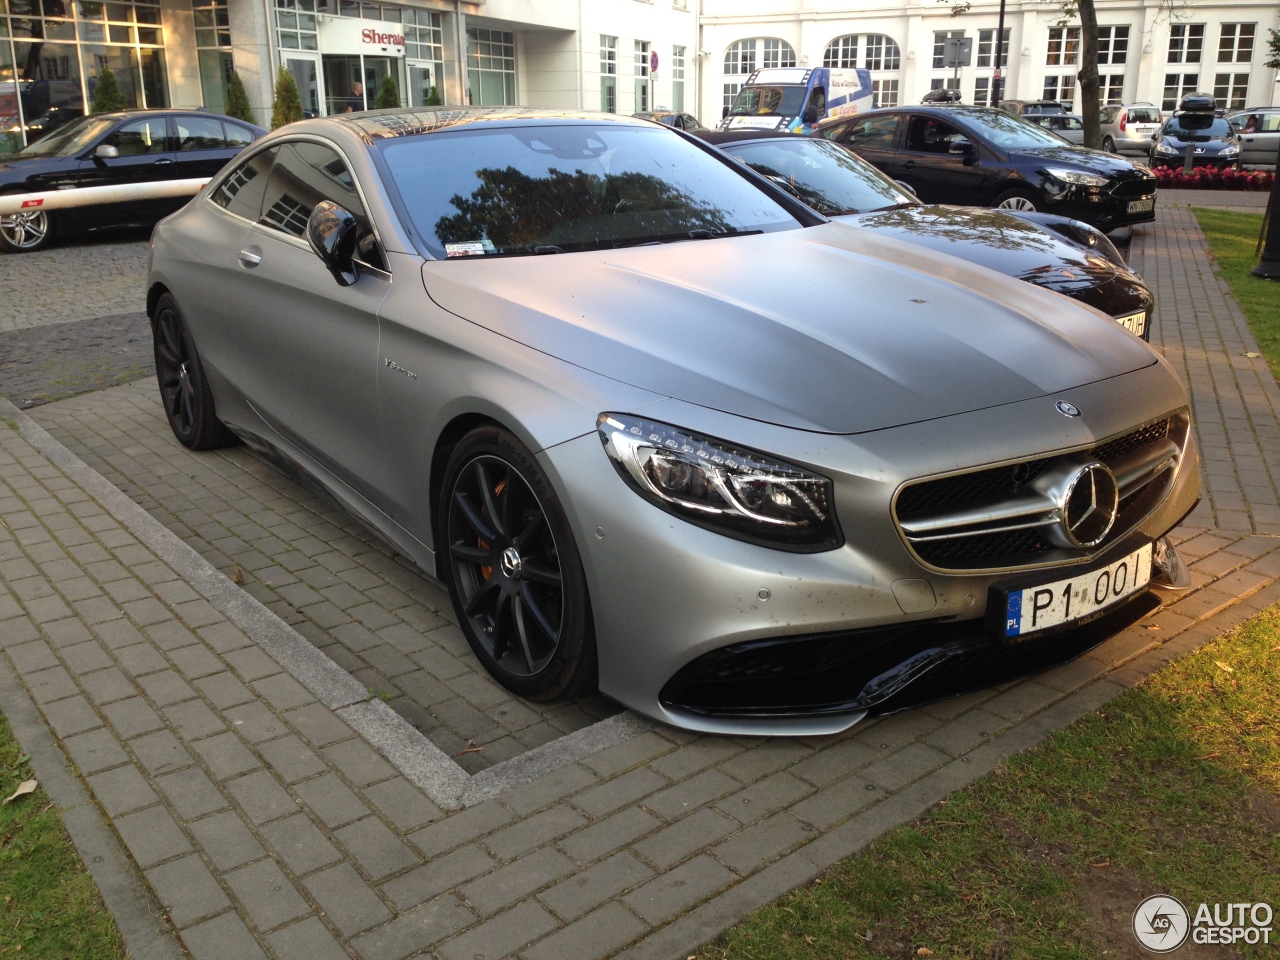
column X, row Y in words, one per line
column 548, row 789
column 764, row 797
column 224, row 690
column 309, row 939
column 225, row 755
column 191, row 793
column 283, row 692
column 437, row 876
column 590, row 887
column 684, row 838
column 678, row 890
column 516, row 881
column 221, row 938
column 618, row 792
column 359, row 762
column 414, row 931
column 32, row 657
column 331, row 800
column 908, row 764
column 300, row 844
column 769, row 756
column 251, row 663
column 347, row 900
column 764, row 841
column 261, row 797
column 596, row 935
column 607, row 835
column 160, row 752
column 152, row 836
column 318, row 724
column 94, row 751
column 193, row 719
column 85, row 657
column 107, row 686
column 255, row 722
column 500, row 936
column 694, row 756
column 132, row 717
column 835, row 803
column 460, row 828
column 121, row 790
column 291, row 759
column 535, row 831
column 141, row 659
column 266, row 895
column 71, row 716
column 196, row 661
column 688, row 795
column 375, row 848
column 187, row 891
column 402, row 803
column 50, row 684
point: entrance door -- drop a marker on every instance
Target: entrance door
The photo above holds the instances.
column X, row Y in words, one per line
column 419, row 85
column 341, row 75
column 375, row 68
column 305, row 76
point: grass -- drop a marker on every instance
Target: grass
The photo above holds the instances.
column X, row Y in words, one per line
column 1233, row 237
column 1173, row 788
column 49, row 905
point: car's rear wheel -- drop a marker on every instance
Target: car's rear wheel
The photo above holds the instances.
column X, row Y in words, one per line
column 25, row 232
column 1019, row 199
column 513, row 569
column 184, row 391
column 1108, row 145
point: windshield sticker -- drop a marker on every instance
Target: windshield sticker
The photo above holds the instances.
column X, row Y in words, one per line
column 474, row 248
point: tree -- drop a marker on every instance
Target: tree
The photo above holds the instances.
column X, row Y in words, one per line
column 238, row 100
column 1090, row 107
column 287, row 106
column 388, row 95
column 1273, row 47
column 433, row 98
column 107, row 96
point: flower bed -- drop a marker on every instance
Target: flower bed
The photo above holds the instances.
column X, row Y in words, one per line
column 1207, row 178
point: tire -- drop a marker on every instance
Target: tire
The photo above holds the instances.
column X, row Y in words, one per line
column 26, row 232
column 184, row 391
column 1019, row 199
column 513, row 569
column 1108, row 145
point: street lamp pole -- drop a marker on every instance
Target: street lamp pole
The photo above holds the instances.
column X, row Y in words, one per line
column 998, row 81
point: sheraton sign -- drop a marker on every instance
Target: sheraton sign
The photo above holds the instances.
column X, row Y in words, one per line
column 346, row 35
column 370, row 35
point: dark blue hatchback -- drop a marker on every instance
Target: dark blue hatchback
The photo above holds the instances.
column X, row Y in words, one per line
column 979, row 156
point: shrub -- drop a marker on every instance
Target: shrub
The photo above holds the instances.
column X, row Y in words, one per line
column 1207, row 178
column 238, row 100
column 287, row 106
column 388, row 94
column 433, row 98
column 107, row 96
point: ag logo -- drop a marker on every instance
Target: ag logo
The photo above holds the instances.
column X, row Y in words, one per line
column 1161, row 924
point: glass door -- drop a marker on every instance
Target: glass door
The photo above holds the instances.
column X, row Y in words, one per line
column 375, row 69
column 343, row 90
column 306, row 76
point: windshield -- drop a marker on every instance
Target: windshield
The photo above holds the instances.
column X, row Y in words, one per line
column 1006, row 130
column 1197, row 125
column 559, row 189
column 69, row 139
column 768, row 101
column 822, row 174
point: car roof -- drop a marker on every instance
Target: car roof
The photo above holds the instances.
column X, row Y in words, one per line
column 721, row 137
column 371, row 125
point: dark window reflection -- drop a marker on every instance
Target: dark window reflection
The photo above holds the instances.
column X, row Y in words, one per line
column 823, row 175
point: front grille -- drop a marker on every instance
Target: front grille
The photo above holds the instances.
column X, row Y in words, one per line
column 1134, row 189
column 1000, row 517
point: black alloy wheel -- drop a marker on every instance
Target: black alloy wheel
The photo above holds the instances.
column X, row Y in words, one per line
column 513, row 570
column 188, row 404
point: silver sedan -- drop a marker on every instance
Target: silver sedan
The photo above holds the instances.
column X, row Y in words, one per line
column 661, row 428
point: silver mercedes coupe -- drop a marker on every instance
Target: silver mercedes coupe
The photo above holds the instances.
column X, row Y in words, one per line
column 660, row 428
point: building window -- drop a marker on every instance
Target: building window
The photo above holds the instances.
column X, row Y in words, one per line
column 296, row 24
column 730, row 94
column 1111, row 88
column 1231, row 90
column 884, row 93
column 423, row 36
column 642, row 76
column 1061, row 87
column 1113, row 45
column 944, row 83
column 1064, row 46
column 982, row 92
column 213, row 52
column 882, row 53
column 609, row 74
column 745, row 55
column 940, row 38
column 842, row 52
column 1177, row 85
column 491, row 66
column 1235, row 44
column 1186, row 40
column 987, row 40
column 741, row 57
column 677, row 79
column 777, row 53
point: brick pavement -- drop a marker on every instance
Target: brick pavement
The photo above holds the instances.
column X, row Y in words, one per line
column 239, row 777
column 49, row 286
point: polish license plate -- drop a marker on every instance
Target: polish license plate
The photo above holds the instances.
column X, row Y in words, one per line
column 1135, row 323
column 1076, row 598
column 1142, row 206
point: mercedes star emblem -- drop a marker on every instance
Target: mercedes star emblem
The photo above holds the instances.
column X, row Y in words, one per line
column 1090, row 506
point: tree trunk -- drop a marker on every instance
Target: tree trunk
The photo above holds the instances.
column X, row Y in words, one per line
column 1088, row 75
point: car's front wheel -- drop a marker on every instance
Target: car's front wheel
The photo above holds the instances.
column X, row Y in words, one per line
column 184, row 391
column 25, row 232
column 1019, row 198
column 1108, row 145
column 513, row 569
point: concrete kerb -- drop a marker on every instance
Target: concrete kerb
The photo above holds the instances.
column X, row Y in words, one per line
column 421, row 761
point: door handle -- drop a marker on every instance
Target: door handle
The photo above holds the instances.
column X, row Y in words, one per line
column 163, row 160
column 909, row 165
column 249, row 259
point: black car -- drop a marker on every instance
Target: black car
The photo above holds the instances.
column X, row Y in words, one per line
column 672, row 118
column 985, row 157
column 1066, row 256
column 107, row 149
column 1213, row 141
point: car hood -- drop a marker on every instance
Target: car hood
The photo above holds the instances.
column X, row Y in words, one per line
column 826, row 328
column 997, row 240
column 1095, row 161
column 1210, row 146
column 19, row 168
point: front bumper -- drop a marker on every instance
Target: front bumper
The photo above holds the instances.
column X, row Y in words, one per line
column 666, row 594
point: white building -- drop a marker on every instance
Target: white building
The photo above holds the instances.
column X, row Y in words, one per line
column 1149, row 51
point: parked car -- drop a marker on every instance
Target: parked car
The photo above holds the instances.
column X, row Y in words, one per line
column 646, row 439
column 1212, row 140
column 133, row 146
column 1066, row 125
column 1022, row 107
column 1064, row 255
column 1129, row 128
column 985, row 157
column 1259, row 133
column 672, row 118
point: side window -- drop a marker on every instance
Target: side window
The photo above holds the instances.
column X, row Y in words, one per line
column 879, row 132
column 140, row 137
column 304, row 174
column 237, row 136
column 242, row 190
column 929, row 135
column 200, row 133
column 1270, row 123
column 818, row 100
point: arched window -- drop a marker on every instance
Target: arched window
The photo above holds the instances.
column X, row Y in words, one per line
column 746, row 56
column 842, row 52
column 881, row 53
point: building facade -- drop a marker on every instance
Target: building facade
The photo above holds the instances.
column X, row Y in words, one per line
column 1149, row 50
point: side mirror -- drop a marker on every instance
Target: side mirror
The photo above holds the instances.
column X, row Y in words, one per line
column 724, row 112
column 332, row 233
column 810, row 115
column 106, row 151
column 907, row 188
column 961, row 147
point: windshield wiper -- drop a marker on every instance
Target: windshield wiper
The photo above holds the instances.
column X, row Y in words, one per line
column 699, row 234
column 897, row 206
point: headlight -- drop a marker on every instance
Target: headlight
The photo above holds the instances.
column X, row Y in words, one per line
column 1164, row 148
column 1077, row 176
column 739, row 493
column 1229, row 151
